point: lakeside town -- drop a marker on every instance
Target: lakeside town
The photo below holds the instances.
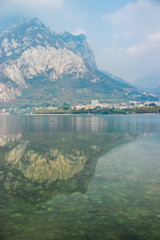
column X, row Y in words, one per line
column 67, row 108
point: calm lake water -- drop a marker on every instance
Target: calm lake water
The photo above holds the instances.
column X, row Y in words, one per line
column 80, row 177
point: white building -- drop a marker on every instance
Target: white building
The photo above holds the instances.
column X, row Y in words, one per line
column 94, row 103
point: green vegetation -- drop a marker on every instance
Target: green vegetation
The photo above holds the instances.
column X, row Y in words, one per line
column 65, row 108
column 52, row 111
column 135, row 110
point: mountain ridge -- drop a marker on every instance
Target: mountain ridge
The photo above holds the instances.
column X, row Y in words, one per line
column 37, row 64
column 150, row 82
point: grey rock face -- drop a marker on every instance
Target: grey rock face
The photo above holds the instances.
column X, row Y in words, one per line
column 30, row 49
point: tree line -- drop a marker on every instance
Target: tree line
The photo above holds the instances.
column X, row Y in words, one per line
column 134, row 110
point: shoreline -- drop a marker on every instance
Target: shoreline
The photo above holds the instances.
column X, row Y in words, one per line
column 79, row 114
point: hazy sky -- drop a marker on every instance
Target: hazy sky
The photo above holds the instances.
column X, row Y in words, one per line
column 124, row 34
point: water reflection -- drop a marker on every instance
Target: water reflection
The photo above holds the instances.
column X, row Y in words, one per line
column 43, row 160
column 43, row 165
column 79, row 178
column 93, row 124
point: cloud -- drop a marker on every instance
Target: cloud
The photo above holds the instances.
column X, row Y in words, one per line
column 154, row 39
column 135, row 19
column 31, row 5
column 42, row 3
column 134, row 61
column 56, row 3
column 79, row 31
column 136, row 48
column 151, row 44
column 133, row 50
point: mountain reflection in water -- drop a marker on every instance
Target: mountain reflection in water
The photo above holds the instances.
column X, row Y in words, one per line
column 52, row 172
column 43, row 164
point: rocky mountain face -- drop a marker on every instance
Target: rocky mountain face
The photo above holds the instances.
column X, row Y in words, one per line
column 37, row 65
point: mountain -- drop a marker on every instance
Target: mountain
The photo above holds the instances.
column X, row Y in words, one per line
column 38, row 65
column 149, row 82
column 116, row 78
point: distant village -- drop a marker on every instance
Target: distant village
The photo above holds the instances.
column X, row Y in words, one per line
column 131, row 104
column 94, row 104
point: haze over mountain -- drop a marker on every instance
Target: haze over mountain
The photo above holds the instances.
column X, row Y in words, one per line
column 8, row 21
column 116, row 78
column 149, row 82
column 39, row 65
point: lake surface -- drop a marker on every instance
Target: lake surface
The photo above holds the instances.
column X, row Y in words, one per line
column 80, row 177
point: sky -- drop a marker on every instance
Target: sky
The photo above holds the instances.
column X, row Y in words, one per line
column 123, row 34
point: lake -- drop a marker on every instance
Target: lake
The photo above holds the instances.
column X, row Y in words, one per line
column 77, row 177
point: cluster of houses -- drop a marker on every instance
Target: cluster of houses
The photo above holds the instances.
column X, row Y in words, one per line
column 131, row 104
column 92, row 105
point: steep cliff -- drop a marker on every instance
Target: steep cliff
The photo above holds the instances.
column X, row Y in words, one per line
column 37, row 64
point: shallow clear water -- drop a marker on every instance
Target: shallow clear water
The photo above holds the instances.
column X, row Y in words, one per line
column 80, row 177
